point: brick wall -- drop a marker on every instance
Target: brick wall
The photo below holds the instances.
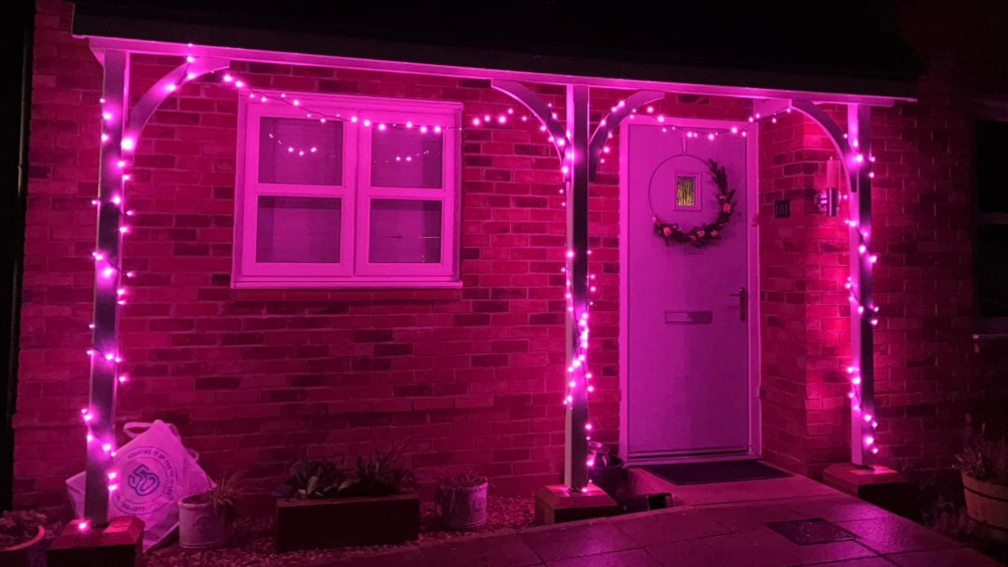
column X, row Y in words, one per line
column 473, row 376
column 805, row 330
column 928, row 376
column 254, row 379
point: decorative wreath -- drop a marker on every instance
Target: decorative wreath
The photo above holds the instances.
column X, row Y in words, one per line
column 702, row 235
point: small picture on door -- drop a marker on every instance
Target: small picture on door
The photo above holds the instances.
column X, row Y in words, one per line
column 687, row 189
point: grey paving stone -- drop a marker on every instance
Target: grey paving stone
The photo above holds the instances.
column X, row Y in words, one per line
column 897, row 535
column 670, row 525
column 754, row 548
column 836, row 508
column 577, row 540
column 962, row 557
column 629, row 558
column 501, row 551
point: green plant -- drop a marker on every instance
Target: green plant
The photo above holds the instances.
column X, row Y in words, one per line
column 316, row 479
column 20, row 526
column 982, row 458
column 226, row 496
column 382, row 474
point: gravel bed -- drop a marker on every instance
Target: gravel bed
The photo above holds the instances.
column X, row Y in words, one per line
column 252, row 545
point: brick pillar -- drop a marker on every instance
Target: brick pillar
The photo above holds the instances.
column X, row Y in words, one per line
column 804, row 308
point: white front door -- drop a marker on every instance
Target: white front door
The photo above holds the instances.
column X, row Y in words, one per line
column 688, row 310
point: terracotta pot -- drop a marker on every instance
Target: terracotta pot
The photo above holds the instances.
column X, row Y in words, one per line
column 27, row 554
column 200, row 526
column 987, row 504
column 464, row 507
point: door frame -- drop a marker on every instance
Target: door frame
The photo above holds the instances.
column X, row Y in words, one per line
column 752, row 277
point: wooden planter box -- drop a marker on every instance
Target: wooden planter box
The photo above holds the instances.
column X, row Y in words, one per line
column 987, row 504
column 342, row 522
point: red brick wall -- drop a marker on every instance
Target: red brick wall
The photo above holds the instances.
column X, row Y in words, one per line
column 928, row 376
column 254, row 379
column 804, row 324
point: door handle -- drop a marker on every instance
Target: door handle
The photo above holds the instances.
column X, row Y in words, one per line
column 743, row 302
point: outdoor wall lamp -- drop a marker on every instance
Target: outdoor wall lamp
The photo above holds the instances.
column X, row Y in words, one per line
column 827, row 200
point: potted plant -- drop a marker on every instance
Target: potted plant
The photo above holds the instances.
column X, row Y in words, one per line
column 21, row 539
column 323, row 504
column 462, row 501
column 206, row 520
column 984, row 467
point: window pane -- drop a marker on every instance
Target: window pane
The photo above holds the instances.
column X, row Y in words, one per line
column 299, row 230
column 992, row 270
column 300, row 152
column 405, row 231
column 406, row 157
column 992, row 175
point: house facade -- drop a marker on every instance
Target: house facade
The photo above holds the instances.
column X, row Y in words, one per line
column 330, row 259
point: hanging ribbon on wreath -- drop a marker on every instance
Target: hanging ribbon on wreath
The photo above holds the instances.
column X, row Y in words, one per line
column 700, row 235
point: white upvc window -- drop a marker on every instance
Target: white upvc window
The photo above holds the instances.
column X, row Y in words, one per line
column 367, row 197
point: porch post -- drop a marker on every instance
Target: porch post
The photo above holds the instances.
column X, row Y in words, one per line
column 862, row 260
column 578, row 159
column 99, row 416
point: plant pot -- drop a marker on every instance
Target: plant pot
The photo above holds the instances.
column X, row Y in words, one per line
column 987, row 504
column 345, row 522
column 463, row 507
column 27, row 554
column 200, row 526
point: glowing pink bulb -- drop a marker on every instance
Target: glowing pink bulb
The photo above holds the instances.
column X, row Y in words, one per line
column 113, row 487
column 867, row 417
column 710, row 136
column 314, row 149
column 874, row 450
column 106, row 447
column 570, row 253
column 190, row 59
column 859, row 158
column 871, row 175
column 409, row 125
column 107, row 272
column 290, row 149
column 869, row 440
column 874, row 322
column 860, row 310
column 123, row 229
column 850, row 395
column 170, row 87
column 851, row 370
column 239, row 84
column 564, row 170
column 502, row 119
column 104, row 137
column 90, row 352
column 301, row 153
column 381, row 127
column 123, row 379
column 874, row 424
column 88, row 417
column 127, row 177
column 572, row 384
column 367, row 123
column 190, row 75
column 109, row 356
column 130, row 274
column 423, row 129
column 590, row 463
column 107, row 115
column 734, row 130
column 120, row 291
column 873, row 258
column 83, row 526
column 862, row 249
column 98, row 256
column 297, row 102
column 591, row 388
column 856, row 380
column 90, row 438
column 228, row 78
column 90, row 326
column 121, row 164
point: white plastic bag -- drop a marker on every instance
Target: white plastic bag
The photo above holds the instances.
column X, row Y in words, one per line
column 154, row 472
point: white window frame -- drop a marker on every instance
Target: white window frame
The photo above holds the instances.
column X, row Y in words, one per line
column 356, row 194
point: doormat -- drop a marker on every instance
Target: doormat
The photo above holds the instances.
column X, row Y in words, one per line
column 713, row 473
column 811, row 532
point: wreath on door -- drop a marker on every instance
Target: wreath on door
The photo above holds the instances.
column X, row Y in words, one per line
column 704, row 234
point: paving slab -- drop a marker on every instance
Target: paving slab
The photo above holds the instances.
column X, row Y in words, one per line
column 578, row 539
column 498, row 551
column 629, row 558
column 961, row 557
column 897, row 535
column 756, row 548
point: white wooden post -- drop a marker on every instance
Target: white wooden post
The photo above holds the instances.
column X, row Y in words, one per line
column 100, row 414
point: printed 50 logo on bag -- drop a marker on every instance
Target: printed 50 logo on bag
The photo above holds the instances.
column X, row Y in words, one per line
column 150, row 481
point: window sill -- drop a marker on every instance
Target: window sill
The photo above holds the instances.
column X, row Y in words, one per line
column 355, row 284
